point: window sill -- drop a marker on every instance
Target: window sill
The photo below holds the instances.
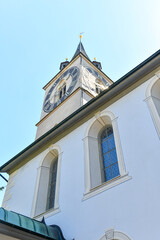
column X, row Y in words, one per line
column 105, row 186
column 47, row 214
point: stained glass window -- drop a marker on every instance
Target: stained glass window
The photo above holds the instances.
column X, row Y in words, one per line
column 109, row 155
column 52, row 184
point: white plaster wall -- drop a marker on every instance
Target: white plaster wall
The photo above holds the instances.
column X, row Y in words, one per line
column 131, row 207
column 24, row 186
column 85, row 98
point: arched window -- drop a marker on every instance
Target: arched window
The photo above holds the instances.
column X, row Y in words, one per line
column 104, row 164
column 99, row 87
column 47, row 187
column 62, row 90
column 109, row 154
column 59, row 92
column 153, row 100
column 111, row 234
column 52, row 184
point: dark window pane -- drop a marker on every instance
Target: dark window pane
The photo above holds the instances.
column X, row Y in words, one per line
column 103, row 135
column 109, row 155
column 104, row 147
column 113, row 156
column 115, row 170
column 52, row 184
column 64, row 89
column 108, row 174
column 60, row 94
column 109, row 131
column 106, row 159
column 111, row 142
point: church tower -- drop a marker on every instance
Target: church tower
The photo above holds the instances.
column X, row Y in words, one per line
column 77, row 82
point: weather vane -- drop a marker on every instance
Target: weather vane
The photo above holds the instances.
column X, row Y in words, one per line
column 81, row 35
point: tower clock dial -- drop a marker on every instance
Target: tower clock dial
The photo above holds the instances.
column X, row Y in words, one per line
column 97, row 75
column 61, row 88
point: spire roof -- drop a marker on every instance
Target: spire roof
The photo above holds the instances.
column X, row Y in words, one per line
column 80, row 49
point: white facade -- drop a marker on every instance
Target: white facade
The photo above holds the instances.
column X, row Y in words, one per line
column 123, row 209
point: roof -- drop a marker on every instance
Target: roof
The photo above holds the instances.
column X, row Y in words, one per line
column 116, row 88
column 80, row 49
column 24, row 223
column 70, row 63
column 82, row 53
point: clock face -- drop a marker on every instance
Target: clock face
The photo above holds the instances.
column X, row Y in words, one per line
column 97, row 75
column 61, row 88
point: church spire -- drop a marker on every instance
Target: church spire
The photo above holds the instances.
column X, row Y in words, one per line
column 80, row 49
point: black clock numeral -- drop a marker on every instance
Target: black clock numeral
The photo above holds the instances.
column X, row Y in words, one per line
column 64, row 74
column 74, row 72
column 70, row 89
column 47, row 97
column 72, row 84
column 75, row 78
column 56, row 82
column 67, row 94
column 96, row 73
column 89, row 69
column 47, row 106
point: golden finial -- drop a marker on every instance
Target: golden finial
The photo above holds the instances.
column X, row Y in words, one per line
column 66, row 59
column 80, row 36
column 94, row 59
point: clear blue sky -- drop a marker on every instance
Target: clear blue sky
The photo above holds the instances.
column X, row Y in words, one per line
column 36, row 35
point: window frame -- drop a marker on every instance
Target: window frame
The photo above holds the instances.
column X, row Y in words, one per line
column 57, row 153
column 93, row 138
column 52, row 184
column 104, row 179
column 150, row 102
column 111, row 234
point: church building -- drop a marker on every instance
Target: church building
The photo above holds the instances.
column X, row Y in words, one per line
column 92, row 171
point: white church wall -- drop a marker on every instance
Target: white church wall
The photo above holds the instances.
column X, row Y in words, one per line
column 24, row 186
column 131, row 207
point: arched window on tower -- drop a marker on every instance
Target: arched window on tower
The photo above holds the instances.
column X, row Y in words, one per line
column 62, row 90
column 99, row 87
column 109, row 154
